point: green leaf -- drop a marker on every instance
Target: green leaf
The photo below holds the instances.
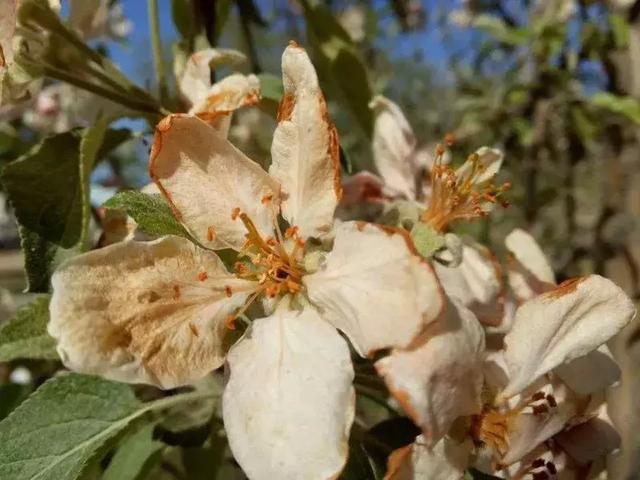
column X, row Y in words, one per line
column 271, row 87
column 626, row 106
column 135, row 456
column 426, row 239
column 499, row 30
column 25, row 335
column 337, row 58
column 152, row 214
column 620, row 30
column 70, row 420
column 183, row 18
column 39, row 258
column 44, row 189
column 48, row 186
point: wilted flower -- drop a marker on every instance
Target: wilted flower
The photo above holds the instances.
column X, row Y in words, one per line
column 160, row 312
column 214, row 102
column 542, row 385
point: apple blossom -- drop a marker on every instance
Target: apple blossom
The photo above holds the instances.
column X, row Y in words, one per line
column 160, row 312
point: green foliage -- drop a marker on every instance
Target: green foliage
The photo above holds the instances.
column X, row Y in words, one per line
column 152, row 214
column 498, row 29
column 69, row 422
column 39, row 260
column 25, row 335
column 135, row 456
column 337, row 59
column 626, row 106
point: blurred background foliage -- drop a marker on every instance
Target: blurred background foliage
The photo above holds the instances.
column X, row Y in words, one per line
column 554, row 83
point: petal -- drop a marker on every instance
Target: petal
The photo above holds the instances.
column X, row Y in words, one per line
column 144, row 312
column 440, row 379
column 590, row 440
column 476, row 282
column 529, row 271
column 527, row 430
column 393, row 148
column 226, row 96
column 591, row 373
column 195, row 81
column 305, row 156
column 289, row 403
column 7, row 29
column 562, row 325
column 489, row 163
column 375, row 287
column 204, row 178
column 447, row 460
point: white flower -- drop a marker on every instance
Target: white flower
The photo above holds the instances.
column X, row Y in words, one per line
column 159, row 312
column 544, row 383
column 215, row 102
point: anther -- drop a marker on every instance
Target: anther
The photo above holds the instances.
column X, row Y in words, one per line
column 229, row 322
column 266, row 199
column 227, row 291
column 540, row 476
column 440, row 150
column 211, row 234
column 537, row 396
column 176, row 292
column 202, row 276
column 537, row 463
column 291, row 232
column 235, row 213
column 449, row 139
column 540, row 409
column 551, row 400
column 551, row 468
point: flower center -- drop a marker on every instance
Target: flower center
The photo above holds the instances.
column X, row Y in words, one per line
column 456, row 197
column 492, row 425
column 275, row 264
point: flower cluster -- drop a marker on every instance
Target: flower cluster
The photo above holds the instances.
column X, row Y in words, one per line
column 507, row 377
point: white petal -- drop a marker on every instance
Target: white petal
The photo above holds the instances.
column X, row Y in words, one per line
column 476, row 282
column 447, row 460
column 195, row 81
column 440, row 379
column 375, row 287
column 289, row 402
column 529, row 271
column 562, row 325
column 144, row 312
column 7, row 29
column 591, row 373
column 226, row 96
column 204, row 178
column 490, row 161
column 393, row 148
column 304, row 152
column 590, row 440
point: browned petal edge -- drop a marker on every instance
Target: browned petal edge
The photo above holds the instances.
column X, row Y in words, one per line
column 333, row 147
column 285, row 107
column 345, row 443
column 3, row 62
column 162, row 128
column 396, row 460
column 565, row 288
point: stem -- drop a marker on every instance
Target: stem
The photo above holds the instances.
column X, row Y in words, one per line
column 128, row 102
column 156, row 46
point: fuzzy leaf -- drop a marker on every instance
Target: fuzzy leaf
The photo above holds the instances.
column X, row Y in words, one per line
column 48, row 186
column 152, row 214
column 135, row 456
column 70, row 420
column 25, row 335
